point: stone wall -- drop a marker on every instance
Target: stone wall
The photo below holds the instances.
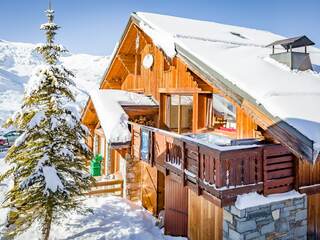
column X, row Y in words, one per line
column 279, row 220
column 132, row 178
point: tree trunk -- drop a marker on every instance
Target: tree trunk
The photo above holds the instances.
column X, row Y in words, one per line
column 47, row 226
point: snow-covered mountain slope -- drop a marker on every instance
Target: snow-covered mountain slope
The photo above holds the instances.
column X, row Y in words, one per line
column 17, row 62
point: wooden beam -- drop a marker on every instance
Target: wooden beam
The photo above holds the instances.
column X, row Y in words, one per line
column 182, row 90
column 312, row 189
column 134, row 111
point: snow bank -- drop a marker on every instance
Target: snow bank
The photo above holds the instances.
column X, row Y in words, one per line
column 241, row 57
column 254, row 199
column 113, row 118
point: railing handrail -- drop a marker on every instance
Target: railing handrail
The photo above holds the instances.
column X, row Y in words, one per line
column 194, row 141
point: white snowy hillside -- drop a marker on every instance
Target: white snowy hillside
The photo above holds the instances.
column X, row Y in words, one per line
column 17, row 62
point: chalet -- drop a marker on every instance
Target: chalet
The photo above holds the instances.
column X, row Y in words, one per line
column 217, row 126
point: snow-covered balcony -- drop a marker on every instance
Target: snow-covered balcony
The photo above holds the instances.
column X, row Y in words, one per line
column 114, row 108
column 217, row 167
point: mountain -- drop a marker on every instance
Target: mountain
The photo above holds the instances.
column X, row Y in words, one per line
column 18, row 61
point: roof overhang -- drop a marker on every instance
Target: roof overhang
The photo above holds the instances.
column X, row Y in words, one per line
column 281, row 131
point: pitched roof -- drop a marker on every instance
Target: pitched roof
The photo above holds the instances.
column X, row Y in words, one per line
column 238, row 58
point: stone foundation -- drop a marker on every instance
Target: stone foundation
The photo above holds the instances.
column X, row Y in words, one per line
column 279, row 220
column 132, row 177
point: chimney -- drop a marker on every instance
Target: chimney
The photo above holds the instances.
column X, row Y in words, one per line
column 293, row 59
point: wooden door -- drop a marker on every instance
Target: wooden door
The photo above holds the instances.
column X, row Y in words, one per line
column 176, row 208
column 149, row 187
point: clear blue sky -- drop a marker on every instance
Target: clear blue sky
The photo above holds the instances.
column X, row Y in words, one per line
column 94, row 26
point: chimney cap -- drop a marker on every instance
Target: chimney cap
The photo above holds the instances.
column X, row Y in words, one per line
column 294, row 42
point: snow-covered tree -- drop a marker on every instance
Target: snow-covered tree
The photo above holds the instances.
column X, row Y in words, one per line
column 48, row 160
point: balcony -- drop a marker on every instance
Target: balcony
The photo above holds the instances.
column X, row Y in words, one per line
column 219, row 172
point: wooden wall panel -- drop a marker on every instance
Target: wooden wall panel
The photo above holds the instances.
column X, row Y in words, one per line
column 204, row 220
column 314, row 216
column 309, row 174
column 246, row 128
column 176, row 208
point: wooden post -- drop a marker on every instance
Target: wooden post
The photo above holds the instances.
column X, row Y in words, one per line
column 183, row 162
column 195, row 113
column 179, row 115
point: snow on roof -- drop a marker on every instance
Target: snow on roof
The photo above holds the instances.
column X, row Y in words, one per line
column 113, row 119
column 254, row 199
column 240, row 56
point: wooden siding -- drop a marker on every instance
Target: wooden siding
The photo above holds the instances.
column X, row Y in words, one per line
column 308, row 176
column 204, row 220
column 314, row 217
column 176, row 208
column 246, row 127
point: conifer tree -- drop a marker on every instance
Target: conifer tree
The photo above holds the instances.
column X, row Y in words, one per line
column 48, row 160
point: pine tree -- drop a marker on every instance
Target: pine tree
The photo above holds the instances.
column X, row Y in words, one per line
column 48, row 160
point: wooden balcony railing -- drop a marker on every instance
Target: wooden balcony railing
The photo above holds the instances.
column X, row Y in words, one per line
column 220, row 172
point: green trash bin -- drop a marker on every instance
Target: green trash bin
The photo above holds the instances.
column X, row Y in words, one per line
column 95, row 166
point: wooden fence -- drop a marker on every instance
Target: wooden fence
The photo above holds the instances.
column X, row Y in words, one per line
column 107, row 187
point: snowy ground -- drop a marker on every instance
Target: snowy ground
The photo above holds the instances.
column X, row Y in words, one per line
column 113, row 218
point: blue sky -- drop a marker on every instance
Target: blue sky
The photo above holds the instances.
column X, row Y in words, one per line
column 94, row 26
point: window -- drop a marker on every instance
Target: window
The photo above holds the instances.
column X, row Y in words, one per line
column 222, row 115
column 179, row 113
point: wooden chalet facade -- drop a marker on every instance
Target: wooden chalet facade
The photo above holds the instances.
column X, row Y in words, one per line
column 175, row 171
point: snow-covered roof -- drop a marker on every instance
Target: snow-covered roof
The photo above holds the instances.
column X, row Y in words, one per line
column 113, row 119
column 240, row 55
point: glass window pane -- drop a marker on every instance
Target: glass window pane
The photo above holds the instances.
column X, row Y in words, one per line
column 224, row 113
